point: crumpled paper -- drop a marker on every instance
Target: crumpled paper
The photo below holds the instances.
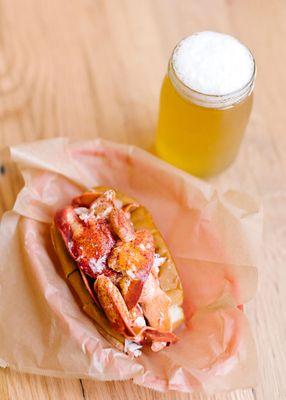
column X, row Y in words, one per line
column 213, row 237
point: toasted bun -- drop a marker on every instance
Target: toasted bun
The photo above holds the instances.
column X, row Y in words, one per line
column 73, row 276
column 168, row 275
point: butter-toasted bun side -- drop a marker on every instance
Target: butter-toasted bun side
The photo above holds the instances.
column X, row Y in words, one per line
column 168, row 276
column 72, row 274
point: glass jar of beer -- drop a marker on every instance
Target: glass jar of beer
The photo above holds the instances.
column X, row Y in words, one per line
column 206, row 100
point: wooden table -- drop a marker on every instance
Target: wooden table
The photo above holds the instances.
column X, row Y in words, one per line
column 87, row 68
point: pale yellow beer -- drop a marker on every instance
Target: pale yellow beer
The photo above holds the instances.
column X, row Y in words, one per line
column 201, row 132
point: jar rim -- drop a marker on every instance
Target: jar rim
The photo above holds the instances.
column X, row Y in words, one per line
column 211, row 100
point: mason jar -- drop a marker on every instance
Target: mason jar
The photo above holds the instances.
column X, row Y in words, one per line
column 202, row 120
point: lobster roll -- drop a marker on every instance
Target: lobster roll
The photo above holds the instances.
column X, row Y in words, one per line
column 120, row 269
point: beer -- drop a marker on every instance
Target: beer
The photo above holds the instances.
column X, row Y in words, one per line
column 206, row 100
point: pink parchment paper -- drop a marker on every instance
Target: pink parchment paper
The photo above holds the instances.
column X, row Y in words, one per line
column 214, row 238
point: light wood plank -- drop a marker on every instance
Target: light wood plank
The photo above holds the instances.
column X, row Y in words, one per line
column 24, row 386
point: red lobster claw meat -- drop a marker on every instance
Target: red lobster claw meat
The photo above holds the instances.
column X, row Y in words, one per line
column 88, row 243
column 113, row 305
column 125, row 321
column 121, row 225
column 85, row 199
column 133, row 259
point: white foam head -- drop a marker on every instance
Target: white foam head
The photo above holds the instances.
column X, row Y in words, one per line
column 213, row 63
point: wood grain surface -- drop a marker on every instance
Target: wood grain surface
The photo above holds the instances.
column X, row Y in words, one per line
column 87, row 68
